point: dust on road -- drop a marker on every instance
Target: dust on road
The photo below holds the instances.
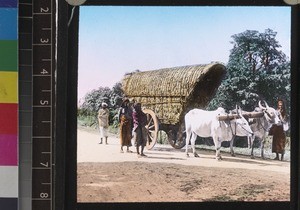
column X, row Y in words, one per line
column 167, row 175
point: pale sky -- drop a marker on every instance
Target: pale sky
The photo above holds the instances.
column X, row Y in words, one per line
column 114, row 40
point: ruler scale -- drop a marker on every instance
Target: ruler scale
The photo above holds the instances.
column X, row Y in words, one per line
column 42, row 104
column 25, row 105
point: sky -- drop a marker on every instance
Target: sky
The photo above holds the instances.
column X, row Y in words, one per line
column 114, row 40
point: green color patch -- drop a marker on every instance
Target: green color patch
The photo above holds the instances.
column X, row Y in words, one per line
column 8, row 55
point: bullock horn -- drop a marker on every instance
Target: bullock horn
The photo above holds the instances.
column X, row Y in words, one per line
column 260, row 106
column 238, row 110
column 266, row 104
column 241, row 110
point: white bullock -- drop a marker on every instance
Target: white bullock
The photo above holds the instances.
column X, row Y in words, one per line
column 204, row 123
column 260, row 127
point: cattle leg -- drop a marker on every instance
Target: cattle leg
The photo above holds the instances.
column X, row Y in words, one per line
column 282, row 156
column 193, row 140
column 186, row 153
column 249, row 142
column 231, row 147
column 252, row 146
column 187, row 150
column 187, row 141
column 262, row 147
column 218, row 154
column 218, row 148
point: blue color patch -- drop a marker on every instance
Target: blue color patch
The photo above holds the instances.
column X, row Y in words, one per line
column 8, row 23
column 9, row 3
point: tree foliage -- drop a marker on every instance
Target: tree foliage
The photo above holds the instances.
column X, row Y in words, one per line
column 93, row 100
column 256, row 70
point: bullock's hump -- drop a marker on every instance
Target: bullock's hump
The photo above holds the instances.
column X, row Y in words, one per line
column 220, row 110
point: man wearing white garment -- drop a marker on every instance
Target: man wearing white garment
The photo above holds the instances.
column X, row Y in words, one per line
column 103, row 119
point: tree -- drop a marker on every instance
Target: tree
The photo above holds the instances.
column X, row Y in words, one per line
column 116, row 95
column 93, row 99
column 256, row 70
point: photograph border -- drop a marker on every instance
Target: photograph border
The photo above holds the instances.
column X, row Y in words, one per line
column 66, row 128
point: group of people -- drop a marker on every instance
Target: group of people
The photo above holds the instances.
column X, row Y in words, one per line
column 132, row 122
column 132, row 126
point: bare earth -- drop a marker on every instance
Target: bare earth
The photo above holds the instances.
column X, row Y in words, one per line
column 167, row 175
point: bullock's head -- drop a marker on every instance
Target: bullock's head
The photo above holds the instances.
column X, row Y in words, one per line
column 242, row 126
column 270, row 113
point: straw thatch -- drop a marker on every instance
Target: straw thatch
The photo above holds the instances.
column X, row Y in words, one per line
column 171, row 92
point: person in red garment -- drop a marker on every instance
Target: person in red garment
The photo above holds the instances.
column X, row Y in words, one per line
column 125, row 120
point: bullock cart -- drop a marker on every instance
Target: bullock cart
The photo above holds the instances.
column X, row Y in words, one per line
column 168, row 94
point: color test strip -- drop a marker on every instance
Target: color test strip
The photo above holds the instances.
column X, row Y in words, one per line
column 8, row 118
column 9, row 3
column 8, row 87
column 9, row 181
column 8, row 28
column 8, row 55
column 8, row 203
column 8, row 150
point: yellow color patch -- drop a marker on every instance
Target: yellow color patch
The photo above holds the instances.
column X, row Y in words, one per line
column 8, row 87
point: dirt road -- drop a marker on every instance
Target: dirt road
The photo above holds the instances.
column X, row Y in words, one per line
column 166, row 174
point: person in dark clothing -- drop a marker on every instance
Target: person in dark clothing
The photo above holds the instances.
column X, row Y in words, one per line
column 278, row 132
column 139, row 129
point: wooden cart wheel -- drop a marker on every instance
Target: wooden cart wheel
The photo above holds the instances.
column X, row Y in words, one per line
column 177, row 136
column 152, row 128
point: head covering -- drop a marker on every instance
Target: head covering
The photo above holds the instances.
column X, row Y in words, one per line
column 125, row 100
column 132, row 101
column 138, row 106
column 104, row 104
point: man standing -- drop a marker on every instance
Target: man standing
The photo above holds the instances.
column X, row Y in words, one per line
column 278, row 131
column 139, row 130
column 103, row 119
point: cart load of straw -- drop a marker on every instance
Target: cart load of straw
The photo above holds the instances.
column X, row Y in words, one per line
column 172, row 92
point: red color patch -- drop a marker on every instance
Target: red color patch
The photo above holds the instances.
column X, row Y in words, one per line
column 8, row 118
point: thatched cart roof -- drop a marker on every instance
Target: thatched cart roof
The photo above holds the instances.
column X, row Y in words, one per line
column 171, row 92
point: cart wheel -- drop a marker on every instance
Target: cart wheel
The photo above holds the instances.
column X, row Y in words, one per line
column 177, row 137
column 152, row 128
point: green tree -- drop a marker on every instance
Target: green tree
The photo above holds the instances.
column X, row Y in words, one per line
column 93, row 99
column 87, row 112
column 256, row 70
column 116, row 95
